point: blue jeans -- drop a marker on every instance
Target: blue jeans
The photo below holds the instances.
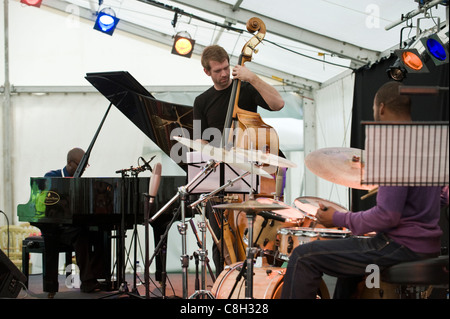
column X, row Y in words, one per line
column 342, row 258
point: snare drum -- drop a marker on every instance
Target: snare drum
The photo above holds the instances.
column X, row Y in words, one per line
column 309, row 205
column 267, row 223
column 289, row 238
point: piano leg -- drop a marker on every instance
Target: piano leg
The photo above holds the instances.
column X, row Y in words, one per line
column 50, row 258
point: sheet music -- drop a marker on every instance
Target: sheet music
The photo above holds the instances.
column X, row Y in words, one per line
column 413, row 154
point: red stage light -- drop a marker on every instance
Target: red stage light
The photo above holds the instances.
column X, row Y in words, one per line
column 34, row 3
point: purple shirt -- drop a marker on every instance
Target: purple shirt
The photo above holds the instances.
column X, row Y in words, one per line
column 408, row 215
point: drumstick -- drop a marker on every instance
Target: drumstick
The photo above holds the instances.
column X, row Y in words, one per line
column 370, row 193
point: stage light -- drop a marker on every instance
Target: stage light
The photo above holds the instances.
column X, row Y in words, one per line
column 34, row 3
column 415, row 56
column 396, row 71
column 436, row 46
column 183, row 45
column 106, row 21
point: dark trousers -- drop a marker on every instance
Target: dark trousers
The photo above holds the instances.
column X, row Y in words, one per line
column 342, row 258
column 89, row 253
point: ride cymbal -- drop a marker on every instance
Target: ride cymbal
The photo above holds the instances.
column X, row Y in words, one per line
column 338, row 165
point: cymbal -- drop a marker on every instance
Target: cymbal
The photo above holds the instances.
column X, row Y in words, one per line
column 250, row 206
column 219, row 154
column 266, row 158
column 338, row 165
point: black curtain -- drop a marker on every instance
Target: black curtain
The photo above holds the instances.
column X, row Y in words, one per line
column 424, row 107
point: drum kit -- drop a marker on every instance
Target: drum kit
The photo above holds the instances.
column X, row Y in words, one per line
column 273, row 228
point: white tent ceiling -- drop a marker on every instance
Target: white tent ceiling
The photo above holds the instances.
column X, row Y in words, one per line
column 307, row 42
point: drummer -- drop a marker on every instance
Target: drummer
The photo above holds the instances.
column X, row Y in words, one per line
column 405, row 220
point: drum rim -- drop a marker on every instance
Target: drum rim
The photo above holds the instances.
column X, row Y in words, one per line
column 326, row 201
column 309, row 230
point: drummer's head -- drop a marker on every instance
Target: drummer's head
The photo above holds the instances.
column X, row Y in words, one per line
column 389, row 105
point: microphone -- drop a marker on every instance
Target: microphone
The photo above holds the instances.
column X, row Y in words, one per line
column 147, row 164
column 279, row 183
column 154, row 182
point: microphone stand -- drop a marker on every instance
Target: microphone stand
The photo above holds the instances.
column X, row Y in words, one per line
column 121, row 263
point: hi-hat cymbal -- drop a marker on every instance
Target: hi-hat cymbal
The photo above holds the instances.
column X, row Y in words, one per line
column 338, row 165
column 250, row 206
column 219, row 154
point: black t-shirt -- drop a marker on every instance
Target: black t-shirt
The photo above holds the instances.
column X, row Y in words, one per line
column 211, row 106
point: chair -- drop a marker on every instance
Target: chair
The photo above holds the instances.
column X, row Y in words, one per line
column 418, row 277
column 11, row 238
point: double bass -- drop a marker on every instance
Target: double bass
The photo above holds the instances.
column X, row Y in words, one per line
column 245, row 129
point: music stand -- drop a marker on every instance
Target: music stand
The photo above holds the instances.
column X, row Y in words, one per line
column 406, row 154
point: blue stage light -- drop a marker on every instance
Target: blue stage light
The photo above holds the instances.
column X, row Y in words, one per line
column 106, row 21
column 436, row 49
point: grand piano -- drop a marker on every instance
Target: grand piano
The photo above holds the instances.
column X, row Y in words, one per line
column 102, row 200
column 112, row 202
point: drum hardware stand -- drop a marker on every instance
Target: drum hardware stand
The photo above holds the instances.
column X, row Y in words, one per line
column 250, row 254
column 241, row 273
column 199, row 244
column 203, row 253
column 182, row 227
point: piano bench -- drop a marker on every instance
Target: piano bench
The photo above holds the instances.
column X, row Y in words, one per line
column 35, row 244
column 419, row 274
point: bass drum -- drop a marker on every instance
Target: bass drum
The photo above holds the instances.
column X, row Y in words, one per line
column 267, row 283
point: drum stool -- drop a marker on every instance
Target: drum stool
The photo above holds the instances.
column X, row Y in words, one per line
column 416, row 278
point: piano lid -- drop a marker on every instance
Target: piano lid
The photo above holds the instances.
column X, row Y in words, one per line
column 156, row 119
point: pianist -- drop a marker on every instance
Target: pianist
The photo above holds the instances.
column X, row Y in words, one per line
column 74, row 157
column 87, row 247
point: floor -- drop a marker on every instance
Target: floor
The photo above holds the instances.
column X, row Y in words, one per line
column 174, row 288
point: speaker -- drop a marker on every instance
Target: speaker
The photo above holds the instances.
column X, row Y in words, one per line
column 12, row 280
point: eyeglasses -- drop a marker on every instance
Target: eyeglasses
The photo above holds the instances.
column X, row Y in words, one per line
column 87, row 165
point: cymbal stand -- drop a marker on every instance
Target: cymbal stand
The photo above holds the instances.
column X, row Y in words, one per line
column 250, row 255
column 182, row 227
column 203, row 253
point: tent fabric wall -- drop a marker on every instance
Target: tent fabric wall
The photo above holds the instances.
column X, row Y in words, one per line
column 333, row 128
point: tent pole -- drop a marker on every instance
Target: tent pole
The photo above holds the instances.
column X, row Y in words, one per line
column 7, row 184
